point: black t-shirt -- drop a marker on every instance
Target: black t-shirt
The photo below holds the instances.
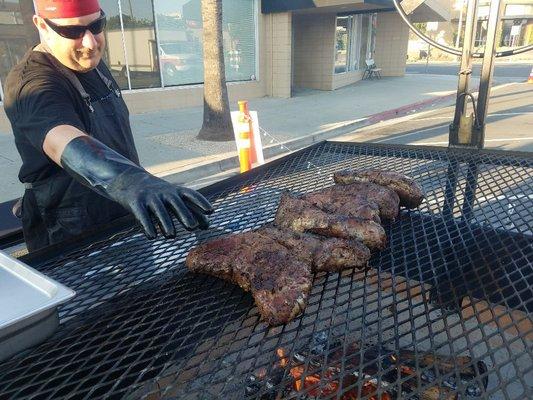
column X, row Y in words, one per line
column 37, row 98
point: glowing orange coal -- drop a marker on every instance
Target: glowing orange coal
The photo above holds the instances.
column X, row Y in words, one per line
column 328, row 384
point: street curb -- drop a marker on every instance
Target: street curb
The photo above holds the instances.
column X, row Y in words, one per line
column 229, row 162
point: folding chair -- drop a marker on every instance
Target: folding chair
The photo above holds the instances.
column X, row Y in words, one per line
column 371, row 70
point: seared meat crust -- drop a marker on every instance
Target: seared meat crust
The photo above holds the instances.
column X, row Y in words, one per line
column 410, row 192
column 301, row 216
column 278, row 281
column 386, row 199
column 337, row 203
column 321, row 253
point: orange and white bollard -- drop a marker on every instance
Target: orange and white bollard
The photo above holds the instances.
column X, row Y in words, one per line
column 530, row 79
column 245, row 137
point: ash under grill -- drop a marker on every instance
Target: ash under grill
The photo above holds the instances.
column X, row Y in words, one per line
column 455, row 281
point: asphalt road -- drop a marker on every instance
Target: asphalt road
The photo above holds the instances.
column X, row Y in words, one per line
column 509, row 123
column 503, row 70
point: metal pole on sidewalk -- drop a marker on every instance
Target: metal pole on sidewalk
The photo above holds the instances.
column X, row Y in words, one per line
column 459, row 26
column 487, row 70
column 427, row 58
column 465, row 70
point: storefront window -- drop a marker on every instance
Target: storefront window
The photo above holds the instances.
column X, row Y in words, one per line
column 365, row 37
column 17, row 33
column 149, row 43
column 355, row 41
column 179, row 28
column 179, row 31
column 517, row 32
column 341, row 44
column 114, row 55
column 140, row 43
column 239, row 39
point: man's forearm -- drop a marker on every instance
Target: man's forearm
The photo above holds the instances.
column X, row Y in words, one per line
column 57, row 139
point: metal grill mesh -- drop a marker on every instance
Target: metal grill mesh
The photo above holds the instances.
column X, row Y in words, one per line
column 456, row 279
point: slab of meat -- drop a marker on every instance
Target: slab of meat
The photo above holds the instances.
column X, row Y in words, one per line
column 279, row 281
column 410, row 193
column 321, row 253
column 301, row 216
column 347, row 205
column 386, row 199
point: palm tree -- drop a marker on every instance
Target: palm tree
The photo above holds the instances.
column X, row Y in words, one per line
column 217, row 118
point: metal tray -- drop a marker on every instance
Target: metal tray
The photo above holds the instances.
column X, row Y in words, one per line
column 28, row 306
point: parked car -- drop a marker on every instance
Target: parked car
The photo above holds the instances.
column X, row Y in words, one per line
column 179, row 60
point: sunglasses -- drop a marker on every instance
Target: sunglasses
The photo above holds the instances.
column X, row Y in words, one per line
column 78, row 31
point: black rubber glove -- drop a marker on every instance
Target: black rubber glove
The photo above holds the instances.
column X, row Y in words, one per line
column 114, row 176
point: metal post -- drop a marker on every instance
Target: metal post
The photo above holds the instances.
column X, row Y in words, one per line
column 459, row 26
column 465, row 70
column 487, row 70
column 427, row 57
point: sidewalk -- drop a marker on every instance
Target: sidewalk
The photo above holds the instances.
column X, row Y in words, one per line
column 166, row 139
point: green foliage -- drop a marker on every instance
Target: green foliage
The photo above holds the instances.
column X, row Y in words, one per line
column 421, row 26
column 129, row 22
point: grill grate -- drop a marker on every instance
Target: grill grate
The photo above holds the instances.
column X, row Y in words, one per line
column 456, row 279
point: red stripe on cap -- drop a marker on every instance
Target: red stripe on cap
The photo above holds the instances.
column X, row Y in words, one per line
column 66, row 8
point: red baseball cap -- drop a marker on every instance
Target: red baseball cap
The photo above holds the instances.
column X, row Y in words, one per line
column 66, row 8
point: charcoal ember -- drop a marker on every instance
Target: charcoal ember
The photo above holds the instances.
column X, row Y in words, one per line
column 449, row 365
column 266, row 387
column 320, row 337
column 252, row 387
column 275, row 378
column 430, row 376
column 319, row 343
column 474, row 391
column 473, row 388
column 299, row 357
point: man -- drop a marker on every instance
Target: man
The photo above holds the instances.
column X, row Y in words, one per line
column 79, row 162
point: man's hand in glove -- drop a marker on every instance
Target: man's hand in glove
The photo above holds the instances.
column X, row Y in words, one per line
column 144, row 194
column 110, row 174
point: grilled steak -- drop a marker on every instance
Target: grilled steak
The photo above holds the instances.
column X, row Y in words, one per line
column 301, row 216
column 386, row 199
column 279, row 281
column 410, row 192
column 321, row 253
column 347, row 205
column 275, row 265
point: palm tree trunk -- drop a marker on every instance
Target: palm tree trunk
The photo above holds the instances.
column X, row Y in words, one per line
column 217, row 118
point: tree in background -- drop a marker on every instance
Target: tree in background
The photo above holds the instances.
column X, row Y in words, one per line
column 217, row 118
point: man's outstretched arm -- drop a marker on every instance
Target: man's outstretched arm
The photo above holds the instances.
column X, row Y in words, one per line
column 112, row 175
